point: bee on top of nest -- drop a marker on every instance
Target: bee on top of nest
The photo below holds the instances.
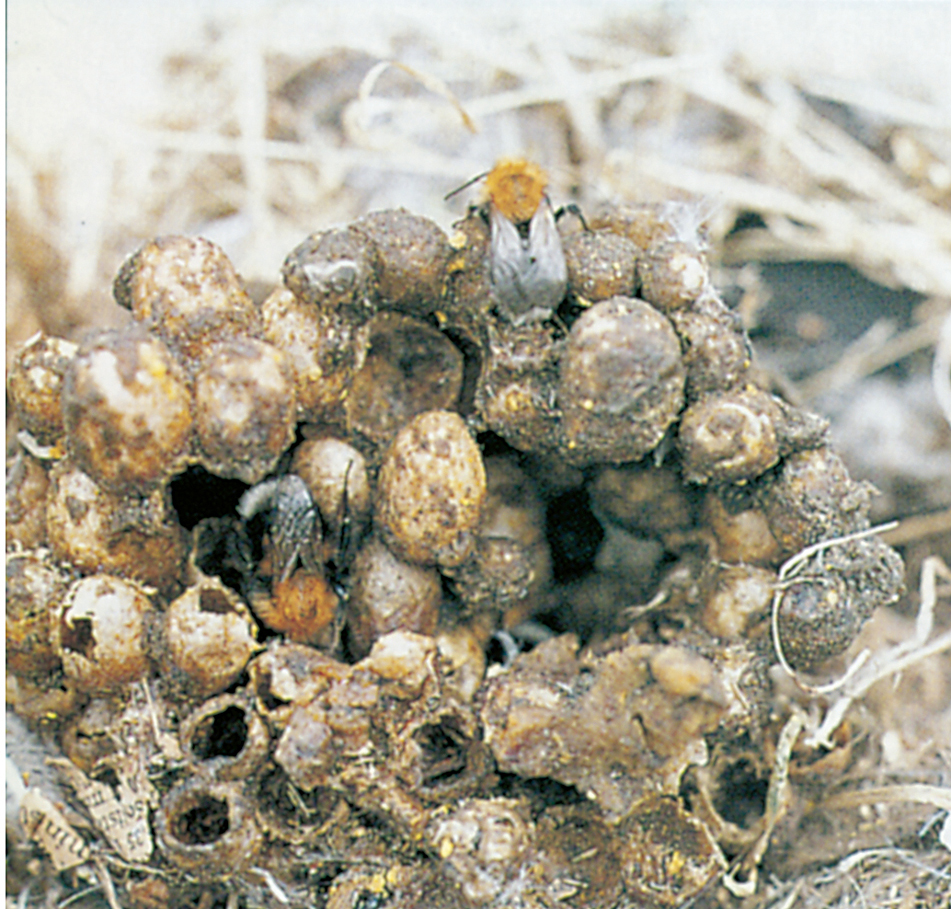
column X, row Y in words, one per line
column 527, row 263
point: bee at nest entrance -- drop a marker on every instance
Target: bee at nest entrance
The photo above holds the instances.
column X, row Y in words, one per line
column 527, row 262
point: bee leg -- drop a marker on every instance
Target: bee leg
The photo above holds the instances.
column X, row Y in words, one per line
column 571, row 209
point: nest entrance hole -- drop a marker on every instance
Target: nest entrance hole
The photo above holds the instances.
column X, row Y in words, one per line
column 198, row 494
column 445, row 752
column 202, row 821
column 574, row 534
column 740, row 793
column 295, row 807
column 222, row 734
column 77, row 636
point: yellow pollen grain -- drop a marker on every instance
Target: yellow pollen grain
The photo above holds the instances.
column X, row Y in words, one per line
column 676, row 863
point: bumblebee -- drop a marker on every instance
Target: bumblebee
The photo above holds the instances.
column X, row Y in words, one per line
column 527, row 263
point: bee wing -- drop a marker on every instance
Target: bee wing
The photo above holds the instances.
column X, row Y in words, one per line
column 509, row 259
column 529, row 277
column 293, row 522
column 548, row 273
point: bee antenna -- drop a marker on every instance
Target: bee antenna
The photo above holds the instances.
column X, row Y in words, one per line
column 465, row 185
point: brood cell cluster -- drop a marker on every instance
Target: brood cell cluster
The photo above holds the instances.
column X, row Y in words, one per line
column 295, row 559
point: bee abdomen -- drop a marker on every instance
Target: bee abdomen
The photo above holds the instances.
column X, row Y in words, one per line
column 529, row 275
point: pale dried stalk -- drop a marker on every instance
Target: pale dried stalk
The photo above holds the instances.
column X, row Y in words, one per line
column 875, row 98
column 272, row 885
column 789, row 900
column 874, row 350
column 434, row 84
column 596, row 84
column 105, row 881
column 939, row 796
column 941, row 368
column 919, row 526
column 855, row 859
column 822, row 148
column 833, row 229
column 887, row 227
column 741, row 881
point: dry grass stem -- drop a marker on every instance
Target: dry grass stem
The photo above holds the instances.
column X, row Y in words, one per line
column 874, row 350
column 742, row 880
column 941, row 370
column 939, row 796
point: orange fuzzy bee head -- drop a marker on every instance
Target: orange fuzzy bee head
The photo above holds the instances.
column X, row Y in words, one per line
column 516, row 187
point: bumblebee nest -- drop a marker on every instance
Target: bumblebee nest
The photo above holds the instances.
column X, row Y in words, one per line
column 287, row 585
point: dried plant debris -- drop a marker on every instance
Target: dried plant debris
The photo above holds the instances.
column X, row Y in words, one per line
column 397, row 590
